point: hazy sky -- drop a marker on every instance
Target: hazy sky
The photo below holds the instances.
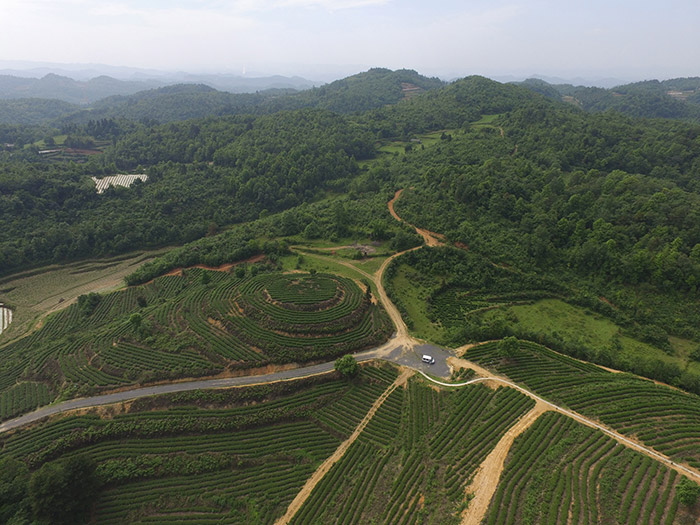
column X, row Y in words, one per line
column 641, row 38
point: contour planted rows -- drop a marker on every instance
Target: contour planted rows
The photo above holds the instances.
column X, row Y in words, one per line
column 190, row 325
column 293, row 317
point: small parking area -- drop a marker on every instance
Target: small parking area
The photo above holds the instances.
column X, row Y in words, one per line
column 412, row 358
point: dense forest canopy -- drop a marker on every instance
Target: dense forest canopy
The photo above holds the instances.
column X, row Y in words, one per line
column 518, row 177
column 677, row 98
column 202, row 175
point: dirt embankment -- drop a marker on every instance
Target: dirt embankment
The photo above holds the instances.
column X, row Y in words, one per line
column 223, row 268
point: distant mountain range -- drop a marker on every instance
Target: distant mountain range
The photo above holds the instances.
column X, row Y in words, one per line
column 60, row 101
column 84, row 92
column 371, row 89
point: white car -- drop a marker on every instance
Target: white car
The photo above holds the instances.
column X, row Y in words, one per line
column 428, row 359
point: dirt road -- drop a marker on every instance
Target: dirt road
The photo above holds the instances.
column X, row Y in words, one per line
column 395, row 350
column 485, row 483
column 630, row 443
column 430, row 238
column 321, row 471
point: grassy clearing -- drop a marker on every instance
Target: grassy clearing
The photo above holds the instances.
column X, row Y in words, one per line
column 395, row 148
column 553, row 316
column 36, row 293
column 310, row 262
column 487, row 119
column 411, row 290
column 369, row 265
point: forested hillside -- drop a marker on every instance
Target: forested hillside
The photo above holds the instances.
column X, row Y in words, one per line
column 371, row 89
column 202, row 175
column 511, row 236
column 677, row 98
column 605, row 201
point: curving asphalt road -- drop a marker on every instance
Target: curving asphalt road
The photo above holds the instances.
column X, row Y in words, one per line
column 401, row 349
column 400, row 354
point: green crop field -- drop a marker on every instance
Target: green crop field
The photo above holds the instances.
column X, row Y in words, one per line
column 556, row 317
column 35, row 293
column 237, row 456
column 412, row 462
column 661, row 417
column 438, row 310
column 241, row 455
column 410, row 292
column 452, row 297
column 198, row 324
column 560, row 471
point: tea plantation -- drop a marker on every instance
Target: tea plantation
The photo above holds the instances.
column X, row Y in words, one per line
column 193, row 324
column 233, row 456
column 661, row 417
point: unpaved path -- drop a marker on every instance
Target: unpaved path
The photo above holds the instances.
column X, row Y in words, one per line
column 628, row 442
column 322, row 470
column 401, row 337
column 430, row 238
column 487, row 477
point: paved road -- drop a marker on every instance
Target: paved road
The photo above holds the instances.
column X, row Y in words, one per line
column 411, row 358
column 401, row 349
column 389, row 352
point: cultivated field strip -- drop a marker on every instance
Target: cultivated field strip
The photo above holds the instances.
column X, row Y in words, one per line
column 321, row 475
column 194, row 324
column 596, row 480
column 23, row 397
column 286, row 321
column 343, row 416
column 412, row 463
column 221, row 456
column 662, row 418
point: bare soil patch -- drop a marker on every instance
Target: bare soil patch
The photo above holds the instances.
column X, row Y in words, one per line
column 223, row 268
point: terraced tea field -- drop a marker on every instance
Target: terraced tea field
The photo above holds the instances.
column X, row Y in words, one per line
column 242, row 455
column 236, row 455
column 662, row 418
column 562, row 472
column 37, row 292
column 413, row 461
column 198, row 324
